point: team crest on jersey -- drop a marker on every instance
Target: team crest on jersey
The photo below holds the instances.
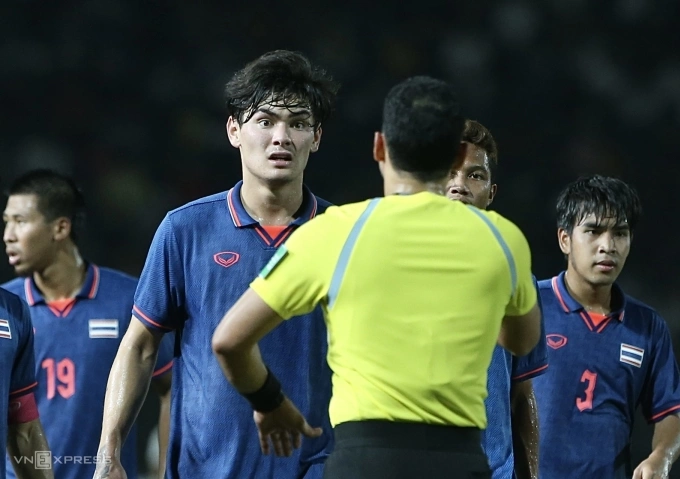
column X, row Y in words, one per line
column 555, row 341
column 631, row 355
column 103, row 328
column 5, row 332
column 226, row 258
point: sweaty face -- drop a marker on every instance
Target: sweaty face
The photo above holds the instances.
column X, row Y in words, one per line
column 27, row 236
column 275, row 142
column 597, row 252
column 470, row 182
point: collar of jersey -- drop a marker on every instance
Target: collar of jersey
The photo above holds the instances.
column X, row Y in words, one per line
column 241, row 218
column 570, row 305
column 88, row 291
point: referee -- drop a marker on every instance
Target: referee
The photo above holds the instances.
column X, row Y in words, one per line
column 416, row 290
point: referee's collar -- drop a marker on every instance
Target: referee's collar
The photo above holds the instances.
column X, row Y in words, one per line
column 242, row 219
column 570, row 305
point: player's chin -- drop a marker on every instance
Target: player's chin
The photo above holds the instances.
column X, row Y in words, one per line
column 608, row 278
column 22, row 270
column 284, row 174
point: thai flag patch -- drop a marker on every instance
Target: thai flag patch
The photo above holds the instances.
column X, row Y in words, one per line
column 631, row 355
column 5, row 332
column 103, row 328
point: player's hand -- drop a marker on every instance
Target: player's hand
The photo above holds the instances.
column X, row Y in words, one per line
column 654, row 467
column 284, row 426
column 110, row 469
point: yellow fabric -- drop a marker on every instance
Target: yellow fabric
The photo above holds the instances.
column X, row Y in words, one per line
column 419, row 309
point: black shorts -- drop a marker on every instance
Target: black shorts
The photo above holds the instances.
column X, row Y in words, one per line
column 398, row 450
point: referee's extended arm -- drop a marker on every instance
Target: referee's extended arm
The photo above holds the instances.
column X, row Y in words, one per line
column 519, row 334
column 235, row 346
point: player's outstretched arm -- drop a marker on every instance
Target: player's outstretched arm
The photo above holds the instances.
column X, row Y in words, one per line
column 235, row 346
column 23, row 441
column 524, row 429
column 665, row 447
column 163, row 387
column 125, row 393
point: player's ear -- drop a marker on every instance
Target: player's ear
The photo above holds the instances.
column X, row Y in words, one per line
column 379, row 147
column 233, row 132
column 61, row 229
column 317, row 139
column 492, row 193
column 564, row 240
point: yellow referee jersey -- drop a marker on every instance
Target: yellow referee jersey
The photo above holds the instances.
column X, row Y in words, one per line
column 414, row 289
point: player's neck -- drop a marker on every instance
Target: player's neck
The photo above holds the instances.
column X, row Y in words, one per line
column 64, row 277
column 271, row 204
column 400, row 183
column 594, row 298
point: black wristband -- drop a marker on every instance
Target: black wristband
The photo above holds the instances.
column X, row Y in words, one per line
column 268, row 397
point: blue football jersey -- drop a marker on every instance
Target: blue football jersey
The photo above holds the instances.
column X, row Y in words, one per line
column 600, row 371
column 16, row 359
column 505, row 369
column 75, row 345
column 202, row 259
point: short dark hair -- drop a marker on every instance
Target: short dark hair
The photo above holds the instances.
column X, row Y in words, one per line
column 281, row 78
column 477, row 134
column 602, row 196
column 58, row 196
column 422, row 126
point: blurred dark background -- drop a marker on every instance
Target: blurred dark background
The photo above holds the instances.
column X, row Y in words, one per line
column 126, row 96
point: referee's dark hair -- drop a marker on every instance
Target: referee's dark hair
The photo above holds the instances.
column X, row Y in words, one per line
column 58, row 196
column 422, row 126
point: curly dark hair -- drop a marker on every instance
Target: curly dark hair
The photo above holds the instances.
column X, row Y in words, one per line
column 280, row 78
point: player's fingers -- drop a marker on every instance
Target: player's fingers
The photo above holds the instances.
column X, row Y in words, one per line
column 287, row 444
column 278, row 446
column 297, row 439
column 310, row 431
column 264, row 443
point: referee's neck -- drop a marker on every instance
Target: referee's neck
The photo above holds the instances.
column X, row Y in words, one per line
column 407, row 184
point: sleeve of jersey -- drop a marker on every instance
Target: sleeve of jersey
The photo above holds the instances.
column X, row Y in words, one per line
column 296, row 278
column 525, row 290
column 536, row 362
column 23, row 370
column 165, row 355
column 661, row 396
column 159, row 298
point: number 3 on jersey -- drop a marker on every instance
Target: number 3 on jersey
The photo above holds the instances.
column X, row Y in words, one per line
column 61, row 377
column 590, row 378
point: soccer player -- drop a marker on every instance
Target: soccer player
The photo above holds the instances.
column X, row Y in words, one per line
column 20, row 432
column 415, row 288
column 608, row 352
column 205, row 254
column 79, row 311
column 511, row 404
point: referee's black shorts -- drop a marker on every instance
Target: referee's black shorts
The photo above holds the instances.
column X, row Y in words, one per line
column 399, row 450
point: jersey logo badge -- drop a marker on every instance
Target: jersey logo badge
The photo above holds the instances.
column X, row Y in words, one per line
column 631, row 355
column 226, row 258
column 103, row 328
column 555, row 341
column 5, row 332
column 281, row 253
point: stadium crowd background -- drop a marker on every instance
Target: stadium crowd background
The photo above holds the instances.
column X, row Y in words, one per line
column 126, row 96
